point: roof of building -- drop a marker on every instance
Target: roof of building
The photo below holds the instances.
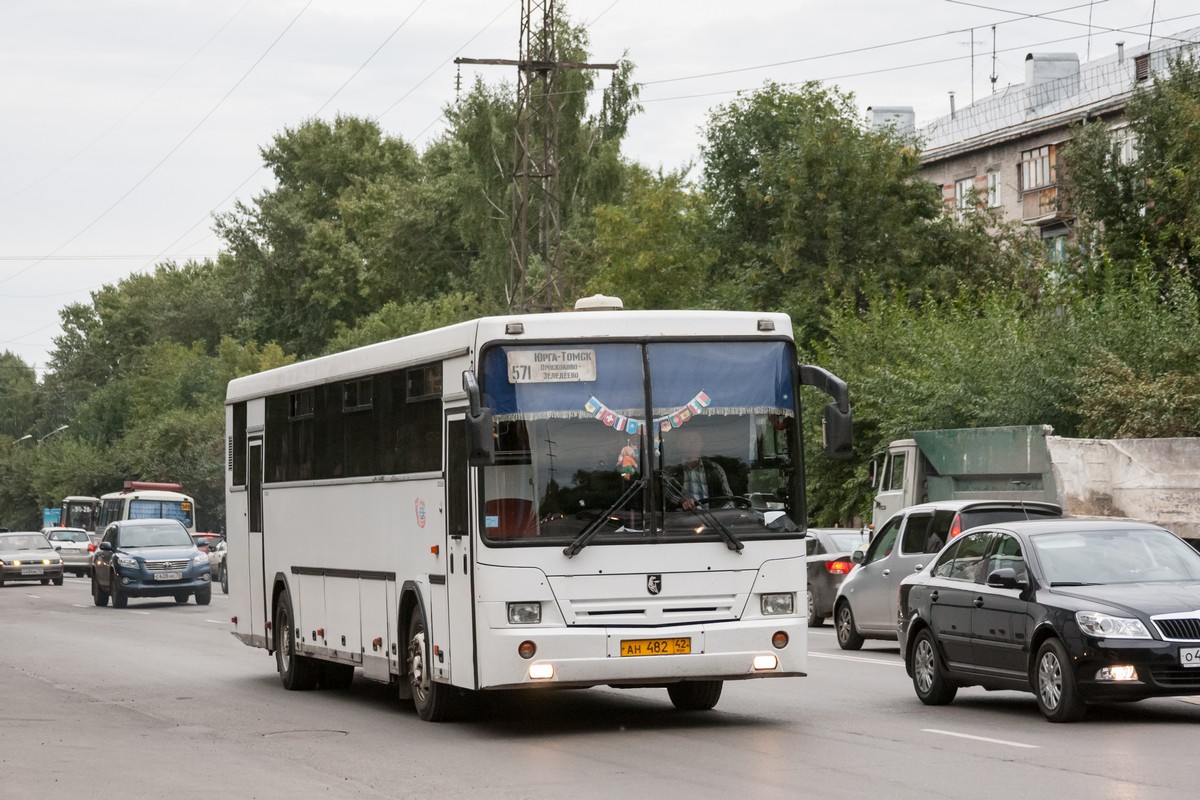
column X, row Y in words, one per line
column 1039, row 104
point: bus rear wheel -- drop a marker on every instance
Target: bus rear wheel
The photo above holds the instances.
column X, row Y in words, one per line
column 296, row 672
column 434, row 701
column 695, row 695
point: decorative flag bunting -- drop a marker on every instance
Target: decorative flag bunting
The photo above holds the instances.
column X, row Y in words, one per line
column 694, row 408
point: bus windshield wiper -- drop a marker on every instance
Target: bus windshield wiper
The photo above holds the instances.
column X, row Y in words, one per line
column 593, row 527
column 731, row 541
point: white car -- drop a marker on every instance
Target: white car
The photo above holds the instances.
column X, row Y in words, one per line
column 75, row 546
column 216, row 562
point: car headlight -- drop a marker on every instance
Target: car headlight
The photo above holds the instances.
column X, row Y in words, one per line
column 779, row 603
column 126, row 561
column 201, row 558
column 524, row 613
column 1094, row 623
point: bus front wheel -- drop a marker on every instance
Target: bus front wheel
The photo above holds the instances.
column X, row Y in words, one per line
column 695, row 695
column 433, row 701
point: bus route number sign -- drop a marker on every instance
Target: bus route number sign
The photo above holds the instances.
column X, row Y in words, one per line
column 551, row 366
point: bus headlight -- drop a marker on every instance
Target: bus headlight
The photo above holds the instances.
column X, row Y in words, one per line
column 524, row 613
column 780, row 603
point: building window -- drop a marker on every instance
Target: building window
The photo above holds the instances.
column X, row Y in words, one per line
column 993, row 190
column 1125, row 141
column 1037, row 168
column 1141, row 67
column 964, row 201
column 1056, row 249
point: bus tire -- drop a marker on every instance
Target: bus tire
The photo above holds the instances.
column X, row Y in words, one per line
column 433, row 701
column 296, row 672
column 695, row 695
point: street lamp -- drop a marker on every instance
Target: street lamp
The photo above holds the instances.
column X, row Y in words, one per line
column 59, row 429
column 26, row 437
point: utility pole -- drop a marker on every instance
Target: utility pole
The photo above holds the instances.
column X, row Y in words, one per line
column 536, row 201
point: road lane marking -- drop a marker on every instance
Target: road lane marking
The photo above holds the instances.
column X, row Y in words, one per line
column 147, row 613
column 857, row 658
column 217, row 621
column 981, row 738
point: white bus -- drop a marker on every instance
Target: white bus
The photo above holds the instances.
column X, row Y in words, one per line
column 492, row 505
column 147, row 500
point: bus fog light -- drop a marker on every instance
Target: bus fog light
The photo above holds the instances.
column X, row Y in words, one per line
column 1117, row 672
column 765, row 662
column 526, row 649
column 779, row 640
column 541, row 672
column 524, row 613
column 775, row 604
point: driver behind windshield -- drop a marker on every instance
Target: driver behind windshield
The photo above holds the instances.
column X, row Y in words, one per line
column 696, row 478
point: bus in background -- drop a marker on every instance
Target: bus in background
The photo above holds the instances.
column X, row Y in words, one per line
column 79, row 511
column 147, row 500
column 495, row 505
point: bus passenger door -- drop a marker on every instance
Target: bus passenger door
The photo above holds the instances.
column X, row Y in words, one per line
column 259, row 613
column 460, row 615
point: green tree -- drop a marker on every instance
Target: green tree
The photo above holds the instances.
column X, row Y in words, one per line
column 1149, row 204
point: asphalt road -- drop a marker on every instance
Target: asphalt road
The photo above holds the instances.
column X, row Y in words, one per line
column 158, row 700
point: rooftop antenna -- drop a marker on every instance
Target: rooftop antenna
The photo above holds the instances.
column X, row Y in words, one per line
column 994, row 76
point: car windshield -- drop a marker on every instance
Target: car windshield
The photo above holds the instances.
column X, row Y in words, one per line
column 165, row 535
column 846, row 542
column 26, row 541
column 576, row 458
column 1117, row 556
column 69, row 536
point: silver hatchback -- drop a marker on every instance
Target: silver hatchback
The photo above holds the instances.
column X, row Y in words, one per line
column 75, row 546
column 866, row 602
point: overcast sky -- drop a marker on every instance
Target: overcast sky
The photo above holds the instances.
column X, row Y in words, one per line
column 128, row 123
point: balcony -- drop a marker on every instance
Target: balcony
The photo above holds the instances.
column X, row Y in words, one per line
column 1044, row 204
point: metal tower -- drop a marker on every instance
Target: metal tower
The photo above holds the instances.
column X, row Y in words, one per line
column 536, row 201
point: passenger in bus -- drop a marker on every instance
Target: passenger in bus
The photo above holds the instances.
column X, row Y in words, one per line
column 696, row 478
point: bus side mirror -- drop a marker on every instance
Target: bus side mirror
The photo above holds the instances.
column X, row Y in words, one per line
column 835, row 428
column 481, row 432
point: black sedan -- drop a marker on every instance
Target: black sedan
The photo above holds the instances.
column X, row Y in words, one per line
column 1073, row 610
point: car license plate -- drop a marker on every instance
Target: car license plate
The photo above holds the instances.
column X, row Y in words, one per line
column 1189, row 656
column 655, row 647
column 31, row 570
column 167, row 576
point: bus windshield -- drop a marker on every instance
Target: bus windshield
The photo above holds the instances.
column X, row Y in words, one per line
column 162, row 509
column 660, row 441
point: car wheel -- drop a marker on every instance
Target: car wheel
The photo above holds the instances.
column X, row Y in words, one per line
column 297, row 672
column 59, row 580
column 925, row 665
column 815, row 620
column 695, row 695
column 224, row 580
column 182, row 598
column 1054, row 684
column 334, row 676
column 99, row 596
column 203, row 596
column 45, row 581
column 434, row 701
column 848, row 636
column 119, row 598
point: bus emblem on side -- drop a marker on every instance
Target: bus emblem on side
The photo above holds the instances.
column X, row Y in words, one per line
column 420, row 513
column 654, row 584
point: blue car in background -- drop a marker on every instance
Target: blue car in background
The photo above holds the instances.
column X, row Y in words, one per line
column 149, row 558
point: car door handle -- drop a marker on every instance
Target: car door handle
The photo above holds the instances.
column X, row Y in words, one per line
column 886, row 572
column 979, row 602
column 933, row 596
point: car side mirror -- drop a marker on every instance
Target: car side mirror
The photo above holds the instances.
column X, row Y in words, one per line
column 106, row 546
column 58, row 548
column 857, row 556
column 1005, row 578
